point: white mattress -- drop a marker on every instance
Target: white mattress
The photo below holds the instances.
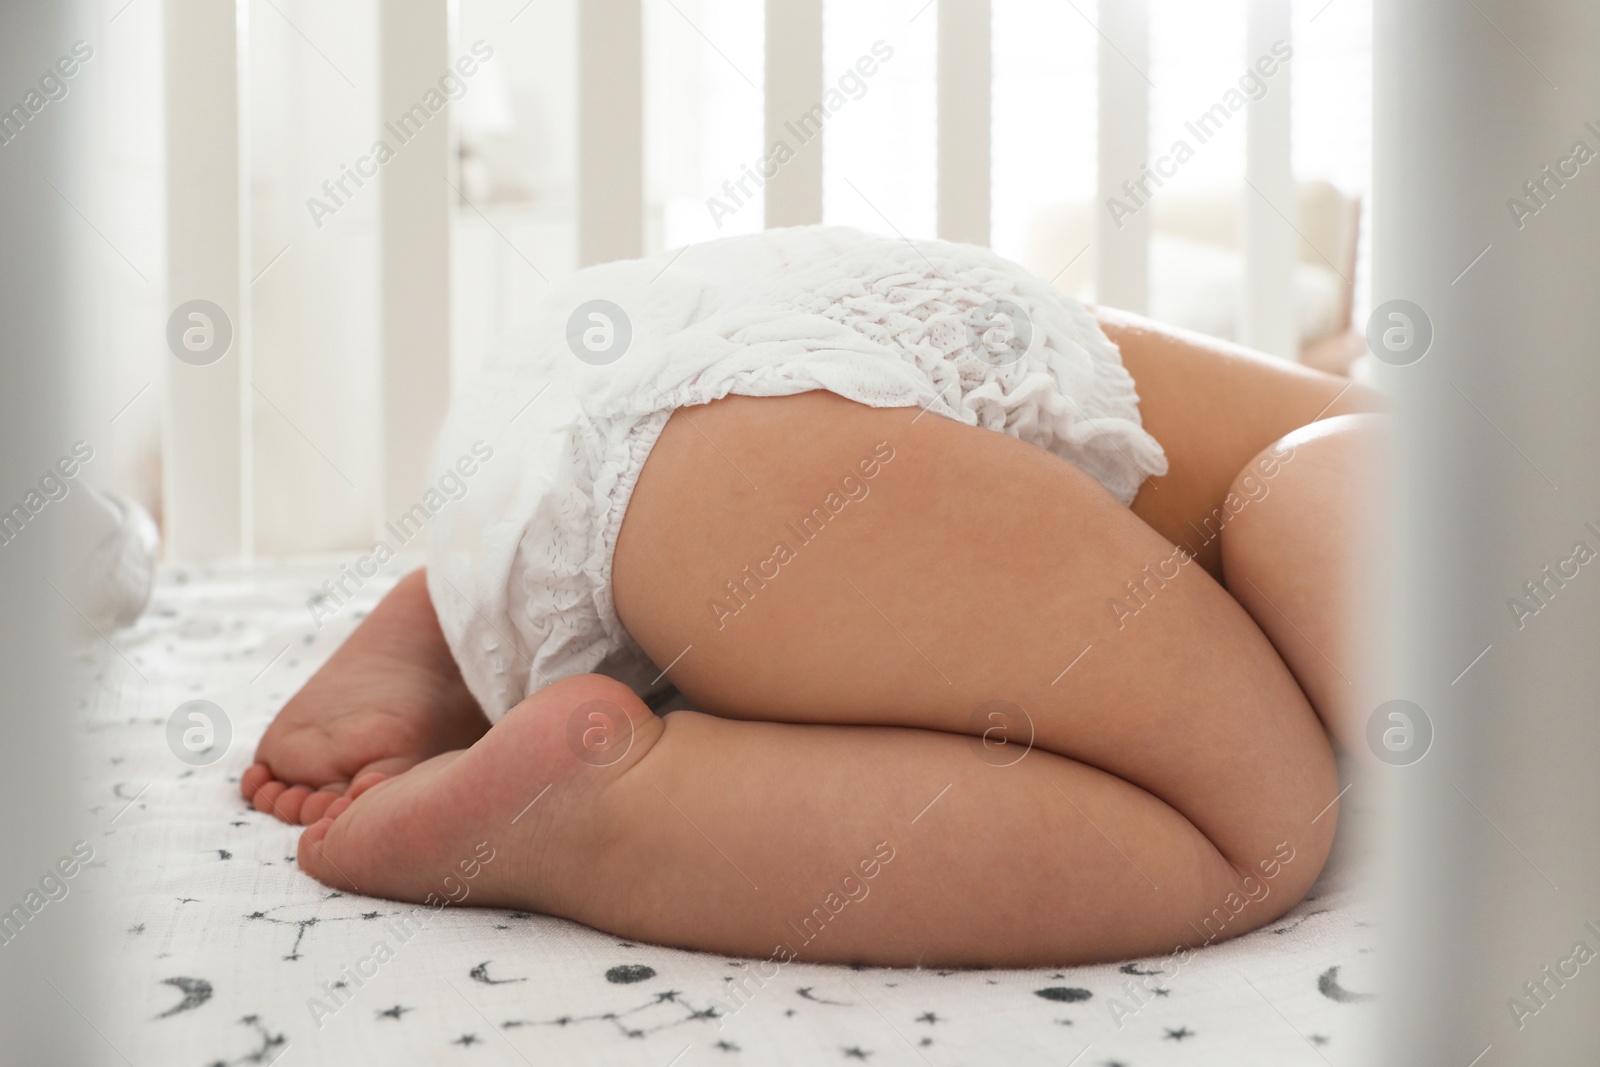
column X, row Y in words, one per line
column 217, row 943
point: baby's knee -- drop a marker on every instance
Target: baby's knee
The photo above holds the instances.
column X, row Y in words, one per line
column 1319, row 480
column 1265, row 889
column 1340, row 448
column 1279, row 832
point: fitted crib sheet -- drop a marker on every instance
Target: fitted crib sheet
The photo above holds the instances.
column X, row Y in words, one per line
column 219, row 949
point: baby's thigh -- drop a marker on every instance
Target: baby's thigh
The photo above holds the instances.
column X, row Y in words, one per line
column 810, row 559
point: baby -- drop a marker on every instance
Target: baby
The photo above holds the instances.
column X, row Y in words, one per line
column 877, row 603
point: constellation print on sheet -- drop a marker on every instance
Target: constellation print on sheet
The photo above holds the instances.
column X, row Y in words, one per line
column 271, row 1047
column 302, row 925
column 637, row 1021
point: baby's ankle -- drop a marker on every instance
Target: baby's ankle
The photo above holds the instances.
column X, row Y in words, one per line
column 579, row 743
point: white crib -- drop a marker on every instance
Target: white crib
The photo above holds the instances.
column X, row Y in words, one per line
column 208, row 436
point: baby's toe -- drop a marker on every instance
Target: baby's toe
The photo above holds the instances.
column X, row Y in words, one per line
column 315, row 862
column 365, row 781
column 315, row 832
column 267, row 794
column 288, row 804
column 253, row 779
column 317, row 804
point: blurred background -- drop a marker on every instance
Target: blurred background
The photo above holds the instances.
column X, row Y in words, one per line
column 315, row 89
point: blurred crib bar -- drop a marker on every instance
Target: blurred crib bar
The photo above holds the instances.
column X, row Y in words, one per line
column 610, row 131
column 964, row 109
column 1122, row 241
column 793, row 88
column 414, row 227
column 206, row 433
column 1267, row 319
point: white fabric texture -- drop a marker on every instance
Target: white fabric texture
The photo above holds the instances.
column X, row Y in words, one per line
column 211, row 943
column 520, row 567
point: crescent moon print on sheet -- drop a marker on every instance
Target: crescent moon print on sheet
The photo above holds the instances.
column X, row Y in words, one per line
column 480, row 973
column 805, row 991
column 1328, row 985
column 628, row 973
column 1064, row 993
column 196, row 991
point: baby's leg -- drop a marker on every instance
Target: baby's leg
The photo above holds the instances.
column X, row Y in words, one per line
column 974, row 568
column 1213, row 405
column 390, row 696
column 1173, row 754
column 883, row 845
column 1301, row 555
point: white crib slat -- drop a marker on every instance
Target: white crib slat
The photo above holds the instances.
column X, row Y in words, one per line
column 1267, row 320
column 964, row 114
column 1122, row 238
column 206, row 453
column 610, row 131
column 414, row 51
column 793, row 93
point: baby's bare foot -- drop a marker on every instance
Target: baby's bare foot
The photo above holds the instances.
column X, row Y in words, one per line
column 476, row 826
column 390, row 697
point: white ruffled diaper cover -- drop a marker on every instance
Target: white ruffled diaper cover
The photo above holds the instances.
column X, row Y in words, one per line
column 519, row 568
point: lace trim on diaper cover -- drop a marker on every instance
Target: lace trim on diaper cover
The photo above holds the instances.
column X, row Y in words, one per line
column 933, row 304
